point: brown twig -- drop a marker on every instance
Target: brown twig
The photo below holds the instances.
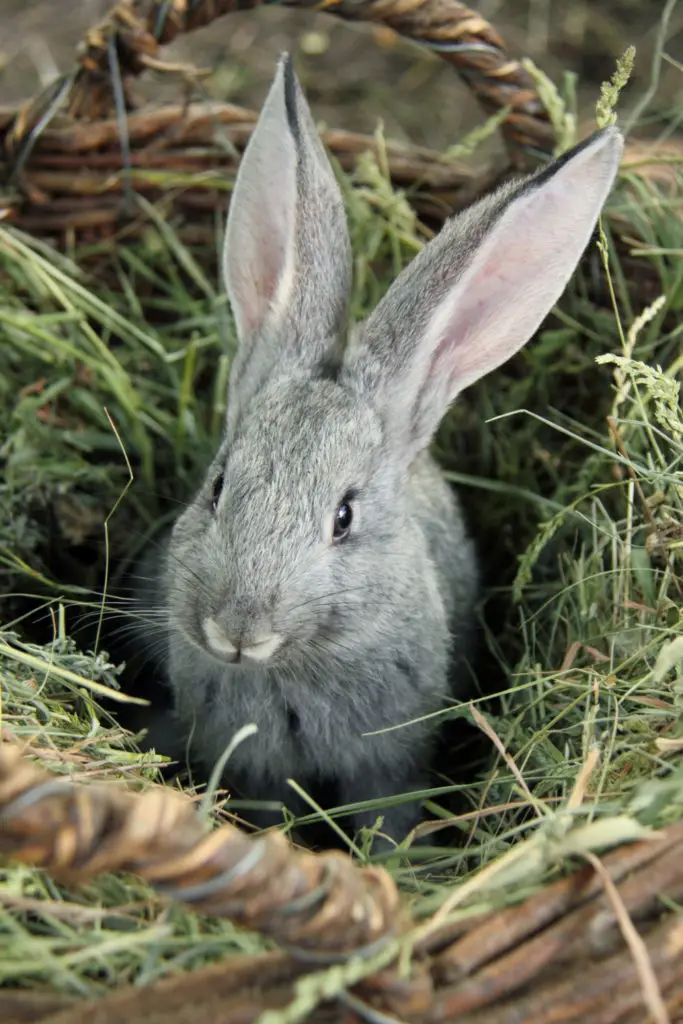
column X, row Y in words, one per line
column 652, row 995
column 76, row 175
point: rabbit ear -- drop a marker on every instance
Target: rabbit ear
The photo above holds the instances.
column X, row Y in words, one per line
column 480, row 289
column 287, row 258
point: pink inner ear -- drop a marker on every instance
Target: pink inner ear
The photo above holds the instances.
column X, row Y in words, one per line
column 516, row 277
column 452, row 324
column 270, row 251
column 259, row 271
column 261, row 221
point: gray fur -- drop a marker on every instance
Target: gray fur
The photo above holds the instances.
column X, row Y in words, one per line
column 376, row 627
column 286, row 202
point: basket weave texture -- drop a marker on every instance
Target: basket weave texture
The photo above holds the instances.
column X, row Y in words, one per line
column 69, row 161
column 561, row 955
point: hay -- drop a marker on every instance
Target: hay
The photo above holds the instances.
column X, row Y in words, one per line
column 114, row 361
column 326, row 911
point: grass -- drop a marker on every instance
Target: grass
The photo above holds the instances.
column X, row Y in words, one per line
column 569, row 457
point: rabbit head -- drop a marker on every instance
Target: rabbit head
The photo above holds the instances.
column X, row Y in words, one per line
column 304, row 536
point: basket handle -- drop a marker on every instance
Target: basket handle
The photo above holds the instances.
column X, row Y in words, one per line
column 135, row 30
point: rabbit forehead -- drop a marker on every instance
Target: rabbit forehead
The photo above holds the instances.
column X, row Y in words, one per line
column 314, row 429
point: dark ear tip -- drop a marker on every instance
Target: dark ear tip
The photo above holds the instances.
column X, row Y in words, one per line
column 289, row 82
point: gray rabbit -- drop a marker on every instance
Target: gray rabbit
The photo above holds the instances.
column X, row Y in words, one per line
column 321, row 584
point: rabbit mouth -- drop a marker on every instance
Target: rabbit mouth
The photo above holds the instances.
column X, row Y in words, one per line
column 244, row 659
column 261, row 650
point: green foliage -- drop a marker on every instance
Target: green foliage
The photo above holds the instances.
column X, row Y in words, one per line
column 569, row 461
column 609, row 93
column 559, row 104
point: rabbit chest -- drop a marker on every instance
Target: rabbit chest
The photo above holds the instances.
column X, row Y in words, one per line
column 303, row 730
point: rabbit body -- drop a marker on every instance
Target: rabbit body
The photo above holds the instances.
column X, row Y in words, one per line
column 321, row 584
column 371, row 635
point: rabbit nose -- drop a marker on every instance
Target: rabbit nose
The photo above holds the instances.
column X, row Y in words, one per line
column 256, row 647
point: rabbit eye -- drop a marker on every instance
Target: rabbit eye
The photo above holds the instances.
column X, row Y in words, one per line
column 217, row 490
column 343, row 517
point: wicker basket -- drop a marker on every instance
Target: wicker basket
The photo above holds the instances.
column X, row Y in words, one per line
column 71, row 158
column 67, row 158
column 562, row 955
column 66, row 162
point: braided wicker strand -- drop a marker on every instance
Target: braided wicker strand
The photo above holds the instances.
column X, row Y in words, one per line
column 522, row 962
column 138, row 28
column 319, row 906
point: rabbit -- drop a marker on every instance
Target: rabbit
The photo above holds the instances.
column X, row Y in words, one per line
column 321, row 583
